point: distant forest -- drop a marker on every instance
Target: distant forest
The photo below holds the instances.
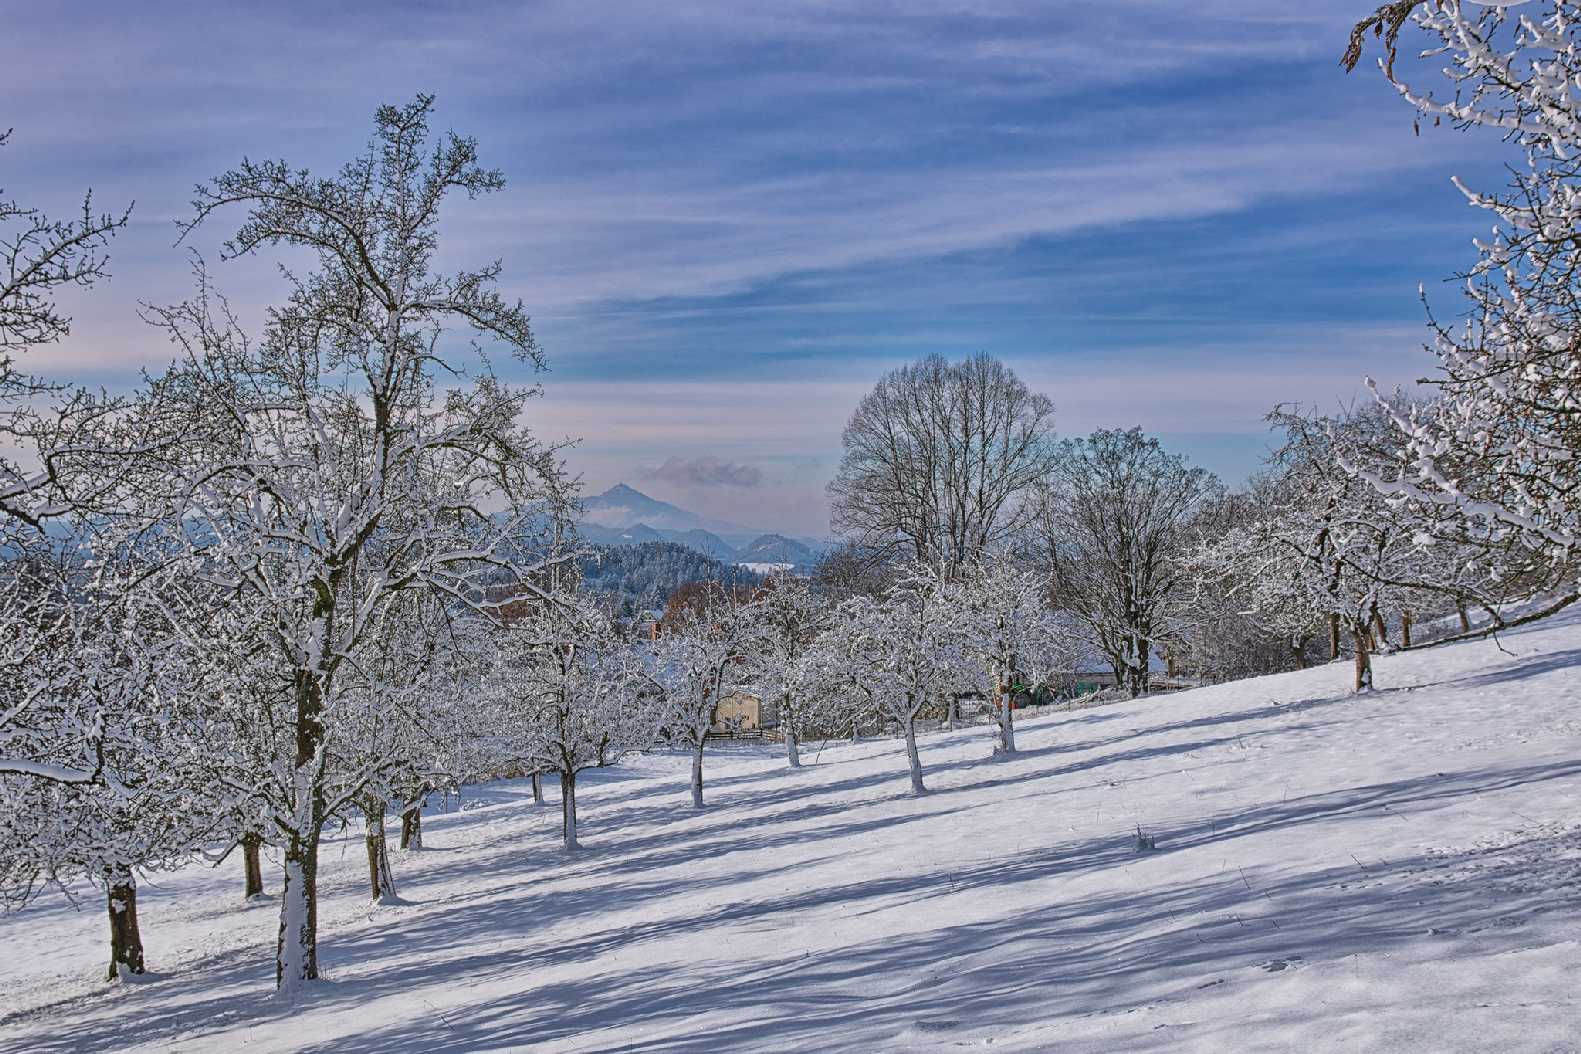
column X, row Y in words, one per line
column 641, row 577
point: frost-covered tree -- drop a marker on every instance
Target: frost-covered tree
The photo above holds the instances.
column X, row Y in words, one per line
column 906, row 650
column 1014, row 640
column 786, row 617
column 567, row 693
column 1324, row 545
column 146, row 807
column 322, row 472
column 1115, row 520
column 697, row 659
column 1244, row 618
column 938, row 459
column 44, row 732
column 1500, row 446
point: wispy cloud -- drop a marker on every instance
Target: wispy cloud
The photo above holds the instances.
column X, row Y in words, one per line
column 706, row 472
column 1168, row 215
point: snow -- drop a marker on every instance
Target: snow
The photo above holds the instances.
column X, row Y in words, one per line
column 761, row 568
column 1394, row 871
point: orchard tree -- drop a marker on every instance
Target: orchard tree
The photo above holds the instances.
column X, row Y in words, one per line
column 786, row 618
column 322, row 473
column 697, row 659
column 567, row 693
column 1115, row 519
column 1013, row 639
column 939, row 458
column 1326, row 545
column 145, row 807
column 906, row 649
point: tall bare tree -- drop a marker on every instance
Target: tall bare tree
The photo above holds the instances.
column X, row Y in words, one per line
column 938, row 457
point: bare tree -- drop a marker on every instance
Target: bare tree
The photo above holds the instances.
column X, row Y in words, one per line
column 938, row 458
column 1115, row 519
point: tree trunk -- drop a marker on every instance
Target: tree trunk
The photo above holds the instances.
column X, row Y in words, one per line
column 1382, row 629
column 568, row 809
column 126, row 940
column 1405, row 628
column 1333, row 637
column 792, row 754
column 1298, row 650
column 1007, row 729
column 412, row 825
column 381, row 879
column 856, row 730
column 296, row 952
column 412, row 816
column 537, row 788
column 913, row 759
column 949, row 711
column 697, row 773
column 252, row 842
column 1465, row 616
column 1363, row 661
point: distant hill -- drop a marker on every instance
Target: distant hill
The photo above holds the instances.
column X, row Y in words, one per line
column 623, row 515
column 777, row 549
column 623, row 506
column 705, row 542
column 642, row 577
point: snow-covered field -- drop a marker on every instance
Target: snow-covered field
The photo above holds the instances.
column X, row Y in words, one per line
column 1398, row 872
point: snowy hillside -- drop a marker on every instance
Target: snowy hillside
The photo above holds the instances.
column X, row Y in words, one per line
column 1393, row 872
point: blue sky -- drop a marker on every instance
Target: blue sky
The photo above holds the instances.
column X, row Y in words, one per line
column 729, row 219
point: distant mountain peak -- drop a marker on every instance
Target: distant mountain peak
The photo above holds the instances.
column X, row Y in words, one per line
column 624, row 506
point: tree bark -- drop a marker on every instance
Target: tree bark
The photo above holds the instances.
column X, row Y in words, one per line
column 792, row 754
column 1405, row 628
column 1465, row 616
column 412, row 825
column 1007, row 729
column 296, row 952
column 380, row 878
column 697, row 774
column 252, row 843
column 949, row 711
column 568, row 809
column 126, row 940
column 913, row 759
column 1363, row 661
column 412, row 817
column 1333, row 637
column 537, row 788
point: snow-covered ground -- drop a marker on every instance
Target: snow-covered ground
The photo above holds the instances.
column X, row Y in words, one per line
column 1397, row 872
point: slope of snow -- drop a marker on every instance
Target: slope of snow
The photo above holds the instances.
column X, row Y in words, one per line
column 1397, row 872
